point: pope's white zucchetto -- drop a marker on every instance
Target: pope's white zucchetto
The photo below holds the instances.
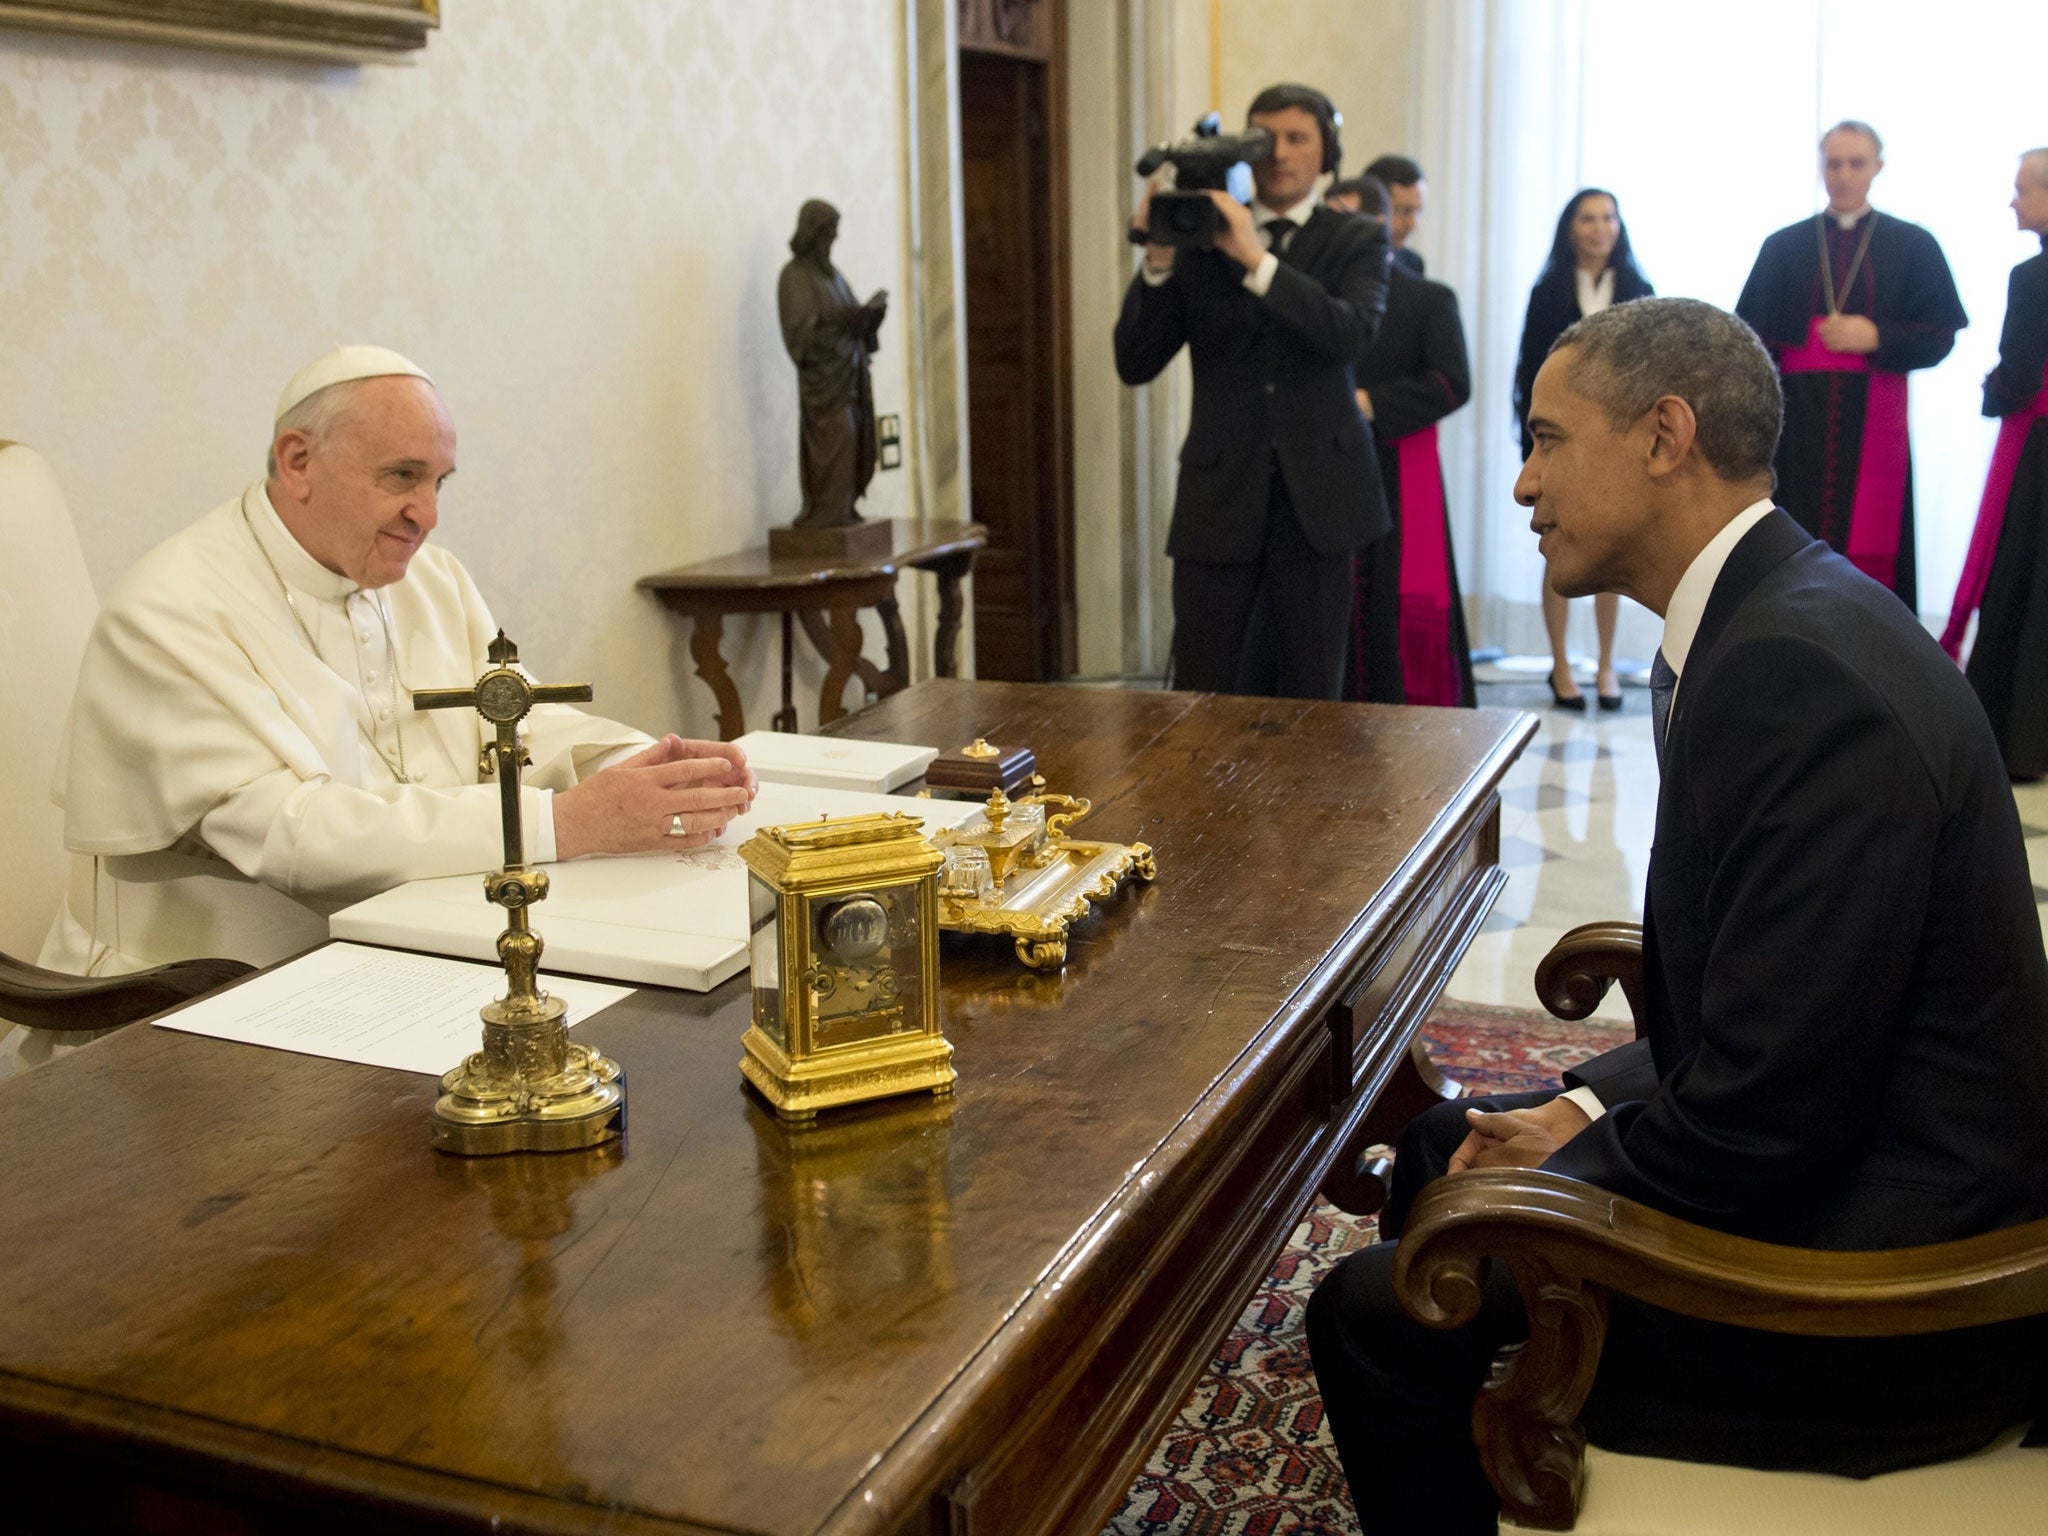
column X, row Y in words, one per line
column 342, row 366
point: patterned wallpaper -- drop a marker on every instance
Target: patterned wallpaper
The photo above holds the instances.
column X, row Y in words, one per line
column 571, row 214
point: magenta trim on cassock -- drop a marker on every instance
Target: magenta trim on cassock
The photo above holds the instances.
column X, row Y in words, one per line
column 1878, row 511
column 1428, row 670
column 2005, row 466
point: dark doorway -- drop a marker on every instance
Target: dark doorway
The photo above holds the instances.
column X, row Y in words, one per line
column 1013, row 189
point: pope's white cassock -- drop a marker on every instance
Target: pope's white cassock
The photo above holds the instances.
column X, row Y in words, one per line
column 235, row 771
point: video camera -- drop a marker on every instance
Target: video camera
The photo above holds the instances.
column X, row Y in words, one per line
column 1185, row 216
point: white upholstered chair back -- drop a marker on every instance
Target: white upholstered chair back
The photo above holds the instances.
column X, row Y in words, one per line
column 47, row 606
column 2000, row 1491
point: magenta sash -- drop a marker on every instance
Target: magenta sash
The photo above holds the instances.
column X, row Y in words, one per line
column 2005, row 464
column 1428, row 670
column 1882, row 464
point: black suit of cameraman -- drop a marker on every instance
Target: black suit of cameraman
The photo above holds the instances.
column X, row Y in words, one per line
column 1279, row 481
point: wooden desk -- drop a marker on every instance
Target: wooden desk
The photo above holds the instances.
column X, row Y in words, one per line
column 826, row 597
column 237, row 1278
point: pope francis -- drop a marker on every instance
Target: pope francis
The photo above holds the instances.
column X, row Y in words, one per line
column 243, row 756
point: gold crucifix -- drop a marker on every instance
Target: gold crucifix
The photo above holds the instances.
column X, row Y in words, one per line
column 530, row 1088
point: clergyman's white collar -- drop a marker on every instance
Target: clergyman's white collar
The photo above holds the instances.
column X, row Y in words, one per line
column 295, row 565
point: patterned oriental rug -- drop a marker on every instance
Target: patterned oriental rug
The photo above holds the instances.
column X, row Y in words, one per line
column 1248, row 1454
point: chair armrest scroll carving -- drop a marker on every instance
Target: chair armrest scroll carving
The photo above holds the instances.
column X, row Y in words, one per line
column 1580, row 967
column 1569, row 1244
column 52, row 1000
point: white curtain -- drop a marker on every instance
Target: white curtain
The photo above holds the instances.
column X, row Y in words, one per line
column 1703, row 122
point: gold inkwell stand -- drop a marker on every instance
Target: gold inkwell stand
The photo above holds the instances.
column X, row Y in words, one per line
column 531, row 1088
column 1017, row 872
column 843, row 916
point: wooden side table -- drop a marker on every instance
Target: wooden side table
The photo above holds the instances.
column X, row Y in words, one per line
column 825, row 595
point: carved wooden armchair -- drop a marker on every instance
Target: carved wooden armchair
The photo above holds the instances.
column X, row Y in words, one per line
column 94, row 1004
column 47, row 606
column 1569, row 1244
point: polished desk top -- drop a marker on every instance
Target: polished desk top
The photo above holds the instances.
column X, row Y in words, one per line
column 732, row 1326
column 916, row 539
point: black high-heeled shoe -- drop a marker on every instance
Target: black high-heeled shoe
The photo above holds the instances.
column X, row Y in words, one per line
column 1611, row 702
column 1576, row 703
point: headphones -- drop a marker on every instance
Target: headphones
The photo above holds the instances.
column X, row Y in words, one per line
column 1277, row 98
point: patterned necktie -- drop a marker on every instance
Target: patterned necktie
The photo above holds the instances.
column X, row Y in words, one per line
column 1277, row 231
column 1662, row 681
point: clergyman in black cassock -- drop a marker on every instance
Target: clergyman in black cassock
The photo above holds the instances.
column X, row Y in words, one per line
column 1846, row 997
column 1408, row 635
column 2005, row 575
column 1844, row 463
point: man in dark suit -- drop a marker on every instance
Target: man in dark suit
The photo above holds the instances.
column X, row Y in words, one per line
column 1407, row 192
column 1278, row 479
column 1847, row 1000
column 1408, row 642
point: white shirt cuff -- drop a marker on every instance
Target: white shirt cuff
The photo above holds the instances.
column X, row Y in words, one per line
column 1152, row 275
column 1260, row 278
column 1587, row 1100
column 544, row 828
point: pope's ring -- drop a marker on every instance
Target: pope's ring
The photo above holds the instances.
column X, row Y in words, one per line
column 676, row 827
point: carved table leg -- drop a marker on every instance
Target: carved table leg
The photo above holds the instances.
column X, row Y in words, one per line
column 732, row 721
column 785, row 717
column 897, row 672
column 816, row 630
column 1357, row 1181
column 820, row 634
column 946, row 638
column 845, row 659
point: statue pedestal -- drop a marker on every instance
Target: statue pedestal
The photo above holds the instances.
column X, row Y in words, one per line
column 849, row 541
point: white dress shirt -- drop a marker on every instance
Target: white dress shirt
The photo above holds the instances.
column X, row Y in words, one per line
column 1260, row 278
column 1688, row 603
column 1595, row 293
column 1682, row 617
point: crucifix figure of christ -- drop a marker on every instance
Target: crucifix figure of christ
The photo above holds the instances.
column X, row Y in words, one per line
column 530, row 1089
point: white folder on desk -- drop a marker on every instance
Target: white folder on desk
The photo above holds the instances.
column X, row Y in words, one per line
column 666, row 919
column 833, row 762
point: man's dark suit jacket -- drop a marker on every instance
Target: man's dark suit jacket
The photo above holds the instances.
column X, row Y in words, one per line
column 1273, row 381
column 1847, row 998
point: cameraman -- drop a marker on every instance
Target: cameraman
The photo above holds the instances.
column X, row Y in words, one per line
column 1279, row 482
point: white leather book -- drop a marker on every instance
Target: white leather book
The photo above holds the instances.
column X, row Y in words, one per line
column 666, row 919
column 829, row 762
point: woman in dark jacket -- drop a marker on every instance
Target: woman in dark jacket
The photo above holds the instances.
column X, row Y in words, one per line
column 1590, row 267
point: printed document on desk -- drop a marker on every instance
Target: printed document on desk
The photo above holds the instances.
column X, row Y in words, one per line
column 417, row 1013
column 666, row 919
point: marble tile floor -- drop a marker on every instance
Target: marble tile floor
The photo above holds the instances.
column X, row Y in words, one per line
column 1577, row 814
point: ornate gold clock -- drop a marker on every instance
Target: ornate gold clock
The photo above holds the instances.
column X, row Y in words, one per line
column 845, row 939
